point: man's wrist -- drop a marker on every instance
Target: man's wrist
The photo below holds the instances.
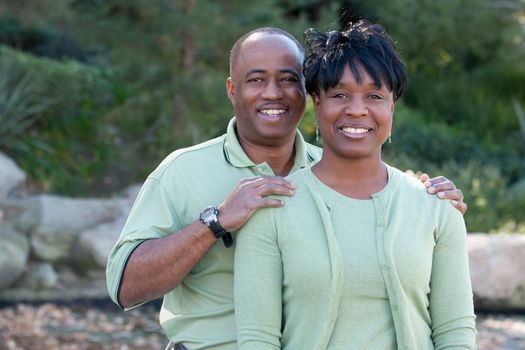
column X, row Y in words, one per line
column 210, row 217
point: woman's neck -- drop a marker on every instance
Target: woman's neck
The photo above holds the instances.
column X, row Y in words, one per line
column 357, row 178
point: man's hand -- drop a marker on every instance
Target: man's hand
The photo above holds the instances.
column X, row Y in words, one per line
column 250, row 195
column 445, row 189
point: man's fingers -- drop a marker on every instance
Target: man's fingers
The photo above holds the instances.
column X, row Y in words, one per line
column 440, row 187
column 269, row 203
column 455, row 195
column 271, row 188
column 461, row 206
column 277, row 180
column 424, row 177
column 435, row 181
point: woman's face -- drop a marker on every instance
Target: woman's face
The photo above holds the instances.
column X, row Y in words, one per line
column 355, row 119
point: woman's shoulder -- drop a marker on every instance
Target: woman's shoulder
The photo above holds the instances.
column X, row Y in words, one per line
column 410, row 189
column 406, row 181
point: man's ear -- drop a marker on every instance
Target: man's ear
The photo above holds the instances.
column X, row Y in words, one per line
column 230, row 89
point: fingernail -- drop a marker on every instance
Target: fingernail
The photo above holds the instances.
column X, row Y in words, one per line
column 431, row 189
column 293, row 185
column 454, row 203
column 427, row 183
column 441, row 194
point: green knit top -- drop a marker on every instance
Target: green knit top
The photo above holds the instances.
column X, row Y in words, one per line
column 357, row 240
column 292, row 280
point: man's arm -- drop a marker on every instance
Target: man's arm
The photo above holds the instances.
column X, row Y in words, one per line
column 158, row 265
column 445, row 189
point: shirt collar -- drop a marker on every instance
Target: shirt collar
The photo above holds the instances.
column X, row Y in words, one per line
column 235, row 155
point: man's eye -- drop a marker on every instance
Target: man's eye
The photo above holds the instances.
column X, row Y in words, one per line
column 291, row 79
column 255, row 80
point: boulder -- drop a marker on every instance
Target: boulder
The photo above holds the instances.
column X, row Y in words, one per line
column 14, row 252
column 95, row 244
column 497, row 269
column 11, row 176
column 23, row 213
column 40, row 275
column 62, row 219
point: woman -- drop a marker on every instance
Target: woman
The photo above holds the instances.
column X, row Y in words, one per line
column 361, row 257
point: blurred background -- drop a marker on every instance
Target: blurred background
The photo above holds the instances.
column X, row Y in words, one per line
column 95, row 93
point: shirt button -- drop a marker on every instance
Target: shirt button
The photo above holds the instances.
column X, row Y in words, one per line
column 384, row 267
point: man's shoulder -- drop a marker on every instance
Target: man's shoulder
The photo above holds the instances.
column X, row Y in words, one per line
column 186, row 158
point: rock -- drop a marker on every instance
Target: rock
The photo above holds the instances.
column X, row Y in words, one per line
column 40, row 275
column 10, row 175
column 61, row 221
column 95, row 244
column 132, row 191
column 497, row 269
column 23, row 213
column 14, row 249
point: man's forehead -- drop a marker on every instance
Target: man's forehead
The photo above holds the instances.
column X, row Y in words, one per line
column 270, row 39
column 263, row 35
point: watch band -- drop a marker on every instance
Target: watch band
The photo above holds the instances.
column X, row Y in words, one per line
column 214, row 226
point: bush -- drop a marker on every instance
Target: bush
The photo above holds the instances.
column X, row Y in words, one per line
column 42, row 41
column 493, row 197
column 61, row 136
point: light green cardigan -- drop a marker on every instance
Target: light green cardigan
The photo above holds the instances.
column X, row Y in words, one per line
column 289, row 270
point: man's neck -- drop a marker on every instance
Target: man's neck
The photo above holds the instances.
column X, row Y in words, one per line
column 280, row 158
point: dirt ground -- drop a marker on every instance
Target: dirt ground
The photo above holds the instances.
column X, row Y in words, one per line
column 104, row 327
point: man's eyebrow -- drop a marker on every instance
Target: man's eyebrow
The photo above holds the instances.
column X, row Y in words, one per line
column 255, row 70
column 283, row 70
column 290, row 71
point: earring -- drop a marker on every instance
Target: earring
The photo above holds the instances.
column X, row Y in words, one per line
column 390, row 138
column 316, row 133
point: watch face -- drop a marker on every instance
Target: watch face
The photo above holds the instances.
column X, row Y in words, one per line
column 208, row 214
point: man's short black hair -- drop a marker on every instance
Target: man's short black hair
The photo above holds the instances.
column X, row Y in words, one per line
column 263, row 30
column 361, row 44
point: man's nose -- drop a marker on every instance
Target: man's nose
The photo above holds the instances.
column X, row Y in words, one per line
column 272, row 90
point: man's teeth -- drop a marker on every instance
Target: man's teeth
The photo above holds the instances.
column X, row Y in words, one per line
column 273, row 112
column 355, row 130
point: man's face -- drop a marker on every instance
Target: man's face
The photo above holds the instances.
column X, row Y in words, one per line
column 266, row 89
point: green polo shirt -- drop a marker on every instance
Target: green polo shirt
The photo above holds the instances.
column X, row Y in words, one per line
column 199, row 312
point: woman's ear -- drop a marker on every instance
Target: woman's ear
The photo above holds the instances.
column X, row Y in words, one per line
column 393, row 107
column 316, row 102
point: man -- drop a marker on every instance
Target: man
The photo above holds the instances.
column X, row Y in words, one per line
column 169, row 246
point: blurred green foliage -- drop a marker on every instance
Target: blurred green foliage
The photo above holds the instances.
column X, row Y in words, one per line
column 52, row 119
column 94, row 93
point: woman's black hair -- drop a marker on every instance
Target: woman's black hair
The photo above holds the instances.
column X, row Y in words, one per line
column 361, row 44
